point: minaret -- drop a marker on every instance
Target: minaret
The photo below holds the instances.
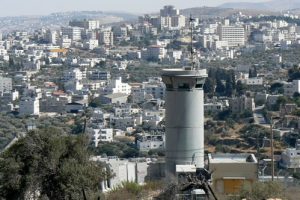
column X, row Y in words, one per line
column 184, row 117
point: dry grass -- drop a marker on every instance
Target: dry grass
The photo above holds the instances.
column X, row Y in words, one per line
column 132, row 191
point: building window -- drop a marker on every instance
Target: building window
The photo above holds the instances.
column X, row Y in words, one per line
column 199, row 85
column 183, row 86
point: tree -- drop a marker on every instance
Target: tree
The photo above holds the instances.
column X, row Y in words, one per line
column 277, row 88
column 220, row 88
column 209, row 86
column 50, row 164
column 229, row 90
column 240, row 88
column 252, row 72
column 11, row 62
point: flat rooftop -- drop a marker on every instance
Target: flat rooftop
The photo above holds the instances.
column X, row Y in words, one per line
column 232, row 158
column 184, row 72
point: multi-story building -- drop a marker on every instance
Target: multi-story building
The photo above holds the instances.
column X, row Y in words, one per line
column 169, row 11
column 106, row 38
column 291, row 88
column 91, row 24
column 213, row 107
column 255, row 81
column 73, row 33
column 157, row 90
column 102, row 135
column 29, row 106
column 53, row 104
column 240, row 104
column 234, row 35
column 150, row 141
column 75, row 74
column 125, row 110
column 154, row 52
column 178, row 21
column 117, row 86
column 91, row 44
column 65, row 42
column 5, row 84
column 52, row 37
column 125, row 122
column 87, row 24
column 120, row 32
column 290, row 158
column 99, row 75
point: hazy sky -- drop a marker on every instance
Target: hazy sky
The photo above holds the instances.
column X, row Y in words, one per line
column 34, row 7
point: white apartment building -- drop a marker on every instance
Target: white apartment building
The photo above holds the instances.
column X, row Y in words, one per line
column 74, row 33
column 120, row 32
column 126, row 110
column 213, row 107
column 3, row 52
column 91, row 44
column 219, row 44
column 208, row 40
column 290, row 158
column 73, row 85
column 153, row 117
column 5, row 84
column 175, row 54
column 116, row 86
column 87, row 24
column 75, row 74
column 178, row 21
column 253, row 81
column 125, row 122
column 157, row 90
column 65, row 42
column 150, row 142
column 102, row 135
column 234, row 35
column 139, row 95
column 174, row 22
column 291, row 88
column 91, row 24
column 154, row 52
column 106, row 38
column 29, row 106
column 52, row 37
column 99, row 75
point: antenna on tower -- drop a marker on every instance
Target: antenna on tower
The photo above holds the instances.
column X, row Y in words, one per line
column 191, row 20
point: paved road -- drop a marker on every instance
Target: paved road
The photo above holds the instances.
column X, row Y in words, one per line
column 258, row 116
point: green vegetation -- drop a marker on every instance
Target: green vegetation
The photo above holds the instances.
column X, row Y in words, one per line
column 144, row 71
column 121, row 150
column 50, row 164
column 220, row 82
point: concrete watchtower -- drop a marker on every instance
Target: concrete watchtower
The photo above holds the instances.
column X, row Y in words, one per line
column 184, row 117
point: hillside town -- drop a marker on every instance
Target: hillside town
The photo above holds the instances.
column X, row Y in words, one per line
column 105, row 81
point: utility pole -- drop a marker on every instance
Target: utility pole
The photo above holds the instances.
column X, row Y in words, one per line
column 258, row 153
column 272, row 148
column 192, row 36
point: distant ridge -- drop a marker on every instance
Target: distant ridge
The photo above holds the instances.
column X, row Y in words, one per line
column 274, row 5
column 208, row 12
